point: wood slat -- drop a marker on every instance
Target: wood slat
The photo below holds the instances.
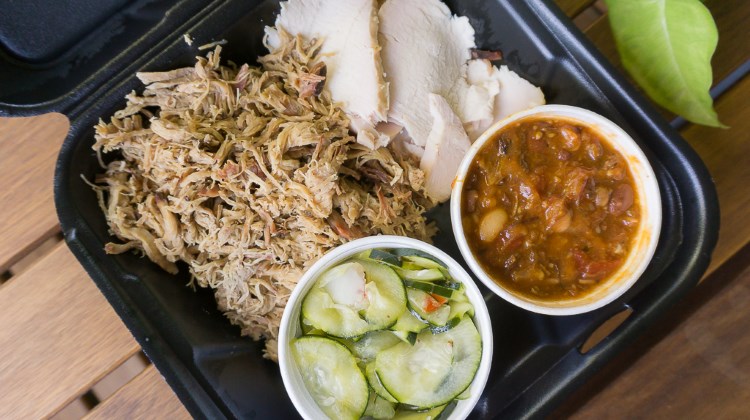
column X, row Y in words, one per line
column 119, row 376
column 58, row 336
column 573, row 7
column 726, row 153
column 146, row 396
column 28, row 150
column 700, row 370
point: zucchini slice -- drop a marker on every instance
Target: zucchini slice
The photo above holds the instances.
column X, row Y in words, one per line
column 331, row 375
column 435, row 370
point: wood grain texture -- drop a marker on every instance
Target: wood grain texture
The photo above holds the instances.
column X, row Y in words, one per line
column 120, row 376
column 726, row 153
column 58, row 336
column 699, row 370
column 28, row 150
column 573, row 7
column 147, row 396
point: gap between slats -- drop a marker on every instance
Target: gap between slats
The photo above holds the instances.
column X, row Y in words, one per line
column 104, row 388
column 28, row 150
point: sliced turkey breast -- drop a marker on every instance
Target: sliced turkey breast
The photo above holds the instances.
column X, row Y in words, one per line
column 350, row 50
column 425, row 50
column 374, row 136
column 510, row 93
column 446, row 146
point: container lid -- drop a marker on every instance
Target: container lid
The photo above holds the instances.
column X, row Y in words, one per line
column 53, row 55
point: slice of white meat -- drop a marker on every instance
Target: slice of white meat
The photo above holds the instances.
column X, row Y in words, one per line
column 510, row 93
column 446, row 146
column 425, row 50
column 379, row 135
column 350, row 49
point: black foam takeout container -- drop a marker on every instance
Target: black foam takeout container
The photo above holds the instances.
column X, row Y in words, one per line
column 80, row 58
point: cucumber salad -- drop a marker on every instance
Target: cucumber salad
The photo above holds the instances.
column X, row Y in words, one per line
column 387, row 333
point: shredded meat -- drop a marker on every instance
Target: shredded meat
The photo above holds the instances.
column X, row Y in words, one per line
column 312, row 83
column 248, row 176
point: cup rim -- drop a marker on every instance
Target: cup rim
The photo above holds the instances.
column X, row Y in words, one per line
column 296, row 390
column 647, row 237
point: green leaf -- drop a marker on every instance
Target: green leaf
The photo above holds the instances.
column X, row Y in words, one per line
column 666, row 46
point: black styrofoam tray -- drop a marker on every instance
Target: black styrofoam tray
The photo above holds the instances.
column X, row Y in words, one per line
column 215, row 372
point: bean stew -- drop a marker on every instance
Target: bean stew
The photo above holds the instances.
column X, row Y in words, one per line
column 549, row 208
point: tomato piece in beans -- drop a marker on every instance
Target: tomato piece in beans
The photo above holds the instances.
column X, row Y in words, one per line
column 549, row 208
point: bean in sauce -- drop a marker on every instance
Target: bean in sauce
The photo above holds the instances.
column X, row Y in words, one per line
column 549, row 208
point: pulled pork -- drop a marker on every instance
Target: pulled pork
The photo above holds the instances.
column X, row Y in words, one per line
column 248, row 175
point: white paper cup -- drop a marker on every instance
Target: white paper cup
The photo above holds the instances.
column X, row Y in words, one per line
column 646, row 237
column 290, row 321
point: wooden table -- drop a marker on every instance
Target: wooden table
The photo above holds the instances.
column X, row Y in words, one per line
column 64, row 353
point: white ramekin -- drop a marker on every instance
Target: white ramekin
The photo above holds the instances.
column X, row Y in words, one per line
column 646, row 188
column 290, row 325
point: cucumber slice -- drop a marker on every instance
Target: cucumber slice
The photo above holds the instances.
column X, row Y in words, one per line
column 420, row 302
column 321, row 312
column 464, row 395
column 379, row 408
column 460, row 294
column 309, row 330
column 386, row 302
column 331, row 375
column 407, row 337
column 435, row 370
column 452, row 322
column 376, row 385
column 363, row 255
column 460, row 304
column 386, row 293
column 406, row 265
column 427, row 274
column 409, row 323
column 449, row 284
column 372, row 343
column 429, row 288
column 409, row 252
column 431, row 414
column 423, row 262
column 459, row 309
column 385, row 256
